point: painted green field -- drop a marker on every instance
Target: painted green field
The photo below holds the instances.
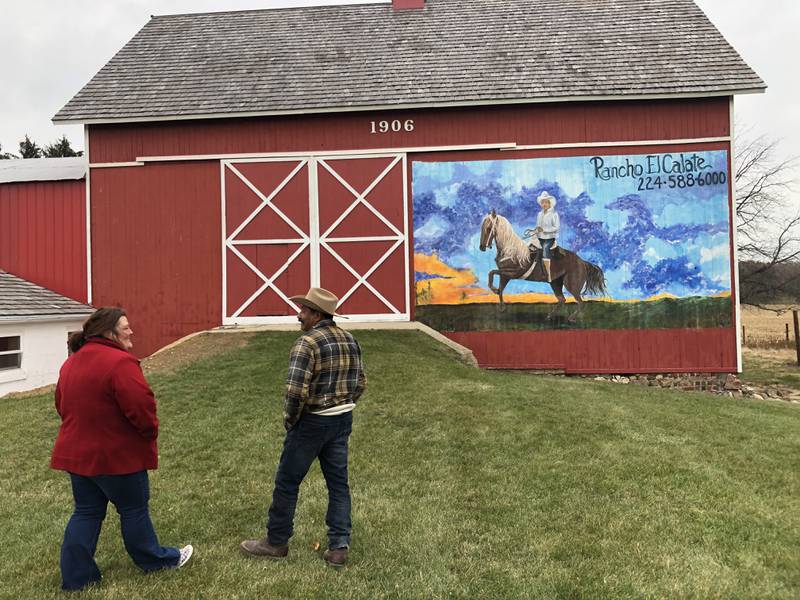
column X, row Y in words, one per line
column 665, row 313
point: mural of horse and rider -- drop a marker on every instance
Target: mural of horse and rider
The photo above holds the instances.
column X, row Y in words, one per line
column 646, row 236
column 517, row 260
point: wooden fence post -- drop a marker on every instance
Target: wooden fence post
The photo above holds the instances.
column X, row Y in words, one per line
column 787, row 332
column 796, row 335
column 744, row 336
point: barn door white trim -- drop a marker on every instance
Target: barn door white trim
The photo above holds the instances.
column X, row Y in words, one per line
column 398, row 238
column 232, row 315
column 315, row 240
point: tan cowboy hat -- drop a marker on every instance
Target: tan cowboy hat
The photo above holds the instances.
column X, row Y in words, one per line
column 320, row 300
column 545, row 196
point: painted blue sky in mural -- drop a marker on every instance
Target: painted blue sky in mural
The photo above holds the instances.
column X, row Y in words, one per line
column 654, row 223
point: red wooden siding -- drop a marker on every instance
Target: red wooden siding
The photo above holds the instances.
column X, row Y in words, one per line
column 570, row 122
column 156, row 248
column 157, row 229
column 605, row 351
column 43, row 234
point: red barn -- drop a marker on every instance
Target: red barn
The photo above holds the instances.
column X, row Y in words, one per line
column 43, row 223
column 238, row 158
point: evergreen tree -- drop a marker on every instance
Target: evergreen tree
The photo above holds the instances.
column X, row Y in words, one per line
column 29, row 149
column 60, row 148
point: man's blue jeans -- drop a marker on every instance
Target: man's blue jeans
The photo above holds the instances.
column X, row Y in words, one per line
column 129, row 494
column 313, row 437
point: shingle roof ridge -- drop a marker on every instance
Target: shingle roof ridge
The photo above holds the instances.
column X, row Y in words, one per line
column 273, row 9
column 228, row 61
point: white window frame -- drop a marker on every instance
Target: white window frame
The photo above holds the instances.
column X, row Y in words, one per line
column 8, row 374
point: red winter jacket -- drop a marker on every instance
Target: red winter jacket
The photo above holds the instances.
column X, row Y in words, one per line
column 108, row 413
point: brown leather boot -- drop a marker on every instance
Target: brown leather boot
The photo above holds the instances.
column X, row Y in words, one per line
column 335, row 557
column 263, row 549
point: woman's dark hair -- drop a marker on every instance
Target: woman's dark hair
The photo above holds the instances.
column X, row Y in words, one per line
column 103, row 320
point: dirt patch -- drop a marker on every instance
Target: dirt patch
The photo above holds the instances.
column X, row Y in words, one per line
column 195, row 348
column 46, row 389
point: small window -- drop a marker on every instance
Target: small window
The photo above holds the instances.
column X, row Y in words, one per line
column 10, row 353
column 69, row 335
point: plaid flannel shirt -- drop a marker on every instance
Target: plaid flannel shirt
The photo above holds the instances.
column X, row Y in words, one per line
column 325, row 370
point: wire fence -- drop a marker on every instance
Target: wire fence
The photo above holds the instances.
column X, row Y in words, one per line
column 757, row 338
column 752, row 337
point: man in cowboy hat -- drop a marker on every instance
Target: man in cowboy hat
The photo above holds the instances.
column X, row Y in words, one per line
column 547, row 226
column 326, row 378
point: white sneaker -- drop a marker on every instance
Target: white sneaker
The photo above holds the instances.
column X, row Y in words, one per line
column 186, row 554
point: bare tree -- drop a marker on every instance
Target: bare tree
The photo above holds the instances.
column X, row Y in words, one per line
column 768, row 221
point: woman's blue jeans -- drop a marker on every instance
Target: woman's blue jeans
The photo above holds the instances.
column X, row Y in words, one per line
column 129, row 494
column 313, row 437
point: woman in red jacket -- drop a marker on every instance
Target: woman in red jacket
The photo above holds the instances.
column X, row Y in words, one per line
column 107, row 443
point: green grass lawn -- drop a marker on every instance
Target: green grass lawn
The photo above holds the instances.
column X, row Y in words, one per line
column 466, row 484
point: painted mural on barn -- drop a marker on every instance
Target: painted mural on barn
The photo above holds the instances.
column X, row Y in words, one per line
column 630, row 241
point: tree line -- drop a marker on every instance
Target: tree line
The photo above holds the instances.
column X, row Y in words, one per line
column 767, row 285
column 30, row 149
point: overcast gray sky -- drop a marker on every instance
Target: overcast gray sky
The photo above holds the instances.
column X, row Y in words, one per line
column 51, row 48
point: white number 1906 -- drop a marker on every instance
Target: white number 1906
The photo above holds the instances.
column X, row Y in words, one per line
column 395, row 126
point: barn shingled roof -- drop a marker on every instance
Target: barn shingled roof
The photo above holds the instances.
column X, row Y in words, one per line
column 21, row 301
column 345, row 57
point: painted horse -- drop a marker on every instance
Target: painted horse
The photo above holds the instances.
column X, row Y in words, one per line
column 513, row 259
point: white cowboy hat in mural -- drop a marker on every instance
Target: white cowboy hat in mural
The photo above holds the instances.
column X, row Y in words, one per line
column 545, row 196
column 320, row 300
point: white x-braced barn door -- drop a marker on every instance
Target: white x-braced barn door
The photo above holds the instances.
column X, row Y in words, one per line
column 339, row 222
